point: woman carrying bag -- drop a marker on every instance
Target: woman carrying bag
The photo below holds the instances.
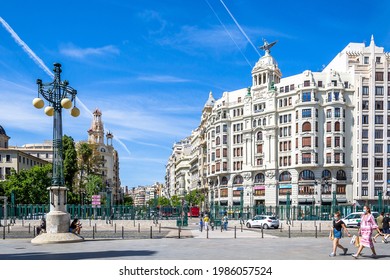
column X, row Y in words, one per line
column 367, row 226
column 338, row 225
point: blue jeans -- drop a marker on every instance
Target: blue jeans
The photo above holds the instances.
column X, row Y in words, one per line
column 225, row 225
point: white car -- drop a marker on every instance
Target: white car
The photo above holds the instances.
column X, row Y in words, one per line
column 353, row 219
column 264, row 221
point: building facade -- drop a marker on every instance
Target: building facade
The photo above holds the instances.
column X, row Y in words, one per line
column 303, row 138
column 13, row 159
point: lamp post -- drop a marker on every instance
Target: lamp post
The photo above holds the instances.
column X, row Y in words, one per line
column 59, row 95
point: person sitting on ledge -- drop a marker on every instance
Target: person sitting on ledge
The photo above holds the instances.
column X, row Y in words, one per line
column 75, row 226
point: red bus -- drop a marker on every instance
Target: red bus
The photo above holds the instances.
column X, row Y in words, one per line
column 194, row 211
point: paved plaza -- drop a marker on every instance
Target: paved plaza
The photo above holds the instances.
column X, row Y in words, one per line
column 192, row 245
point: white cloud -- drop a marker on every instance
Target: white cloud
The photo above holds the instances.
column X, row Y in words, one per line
column 78, row 52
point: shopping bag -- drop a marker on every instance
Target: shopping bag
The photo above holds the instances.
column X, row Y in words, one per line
column 353, row 239
column 357, row 241
column 331, row 234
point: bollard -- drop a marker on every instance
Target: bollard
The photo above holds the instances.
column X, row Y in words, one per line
column 95, row 228
column 179, row 231
column 93, row 232
column 262, row 231
column 29, row 228
column 115, row 228
column 8, row 228
column 241, row 227
column 301, row 227
column 139, row 227
column 151, row 232
column 3, row 232
column 289, row 232
column 281, row 227
column 320, row 228
column 235, row 232
column 123, row 232
column 207, row 231
column 316, row 231
column 292, row 223
column 159, row 228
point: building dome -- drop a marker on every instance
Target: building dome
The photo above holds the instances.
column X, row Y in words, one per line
column 210, row 102
column 2, row 131
column 266, row 61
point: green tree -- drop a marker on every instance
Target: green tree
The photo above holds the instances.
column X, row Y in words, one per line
column 175, row 201
column 128, row 200
column 70, row 161
column 194, row 197
column 164, row 201
column 93, row 186
column 30, row 186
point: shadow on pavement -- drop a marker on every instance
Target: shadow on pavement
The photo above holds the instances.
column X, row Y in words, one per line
column 75, row 256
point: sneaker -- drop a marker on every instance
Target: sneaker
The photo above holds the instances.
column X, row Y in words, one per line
column 345, row 251
column 355, row 256
column 374, row 256
column 331, row 254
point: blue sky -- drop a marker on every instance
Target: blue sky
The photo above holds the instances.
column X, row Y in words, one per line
column 150, row 65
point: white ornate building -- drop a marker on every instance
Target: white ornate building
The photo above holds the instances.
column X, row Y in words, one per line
column 110, row 168
column 311, row 137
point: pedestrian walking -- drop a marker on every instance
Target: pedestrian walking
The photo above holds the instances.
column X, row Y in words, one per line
column 338, row 226
column 367, row 225
column 201, row 223
column 225, row 221
column 386, row 227
column 379, row 222
column 206, row 221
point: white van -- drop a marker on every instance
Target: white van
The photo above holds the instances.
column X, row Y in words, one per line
column 353, row 219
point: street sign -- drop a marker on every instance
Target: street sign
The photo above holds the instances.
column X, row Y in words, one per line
column 96, row 201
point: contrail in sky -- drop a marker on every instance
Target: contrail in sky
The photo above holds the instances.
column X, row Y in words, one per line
column 26, row 48
column 227, row 31
column 239, row 27
column 42, row 65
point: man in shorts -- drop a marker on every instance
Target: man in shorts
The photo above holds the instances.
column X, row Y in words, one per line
column 385, row 227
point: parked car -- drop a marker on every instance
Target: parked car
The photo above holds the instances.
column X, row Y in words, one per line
column 264, row 221
column 353, row 219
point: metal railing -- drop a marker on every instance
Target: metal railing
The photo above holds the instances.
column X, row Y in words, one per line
column 216, row 212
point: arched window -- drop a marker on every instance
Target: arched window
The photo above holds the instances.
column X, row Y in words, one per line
column 259, row 178
column 224, row 181
column 326, row 174
column 259, row 136
column 285, row 176
column 341, row 175
column 306, row 127
column 264, row 121
column 238, row 180
column 306, row 175
column 218, row 141
column 337, row 126
column 259, row 122
column 254, row 123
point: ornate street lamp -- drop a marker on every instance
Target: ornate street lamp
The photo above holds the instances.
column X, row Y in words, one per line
column 59, row 95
